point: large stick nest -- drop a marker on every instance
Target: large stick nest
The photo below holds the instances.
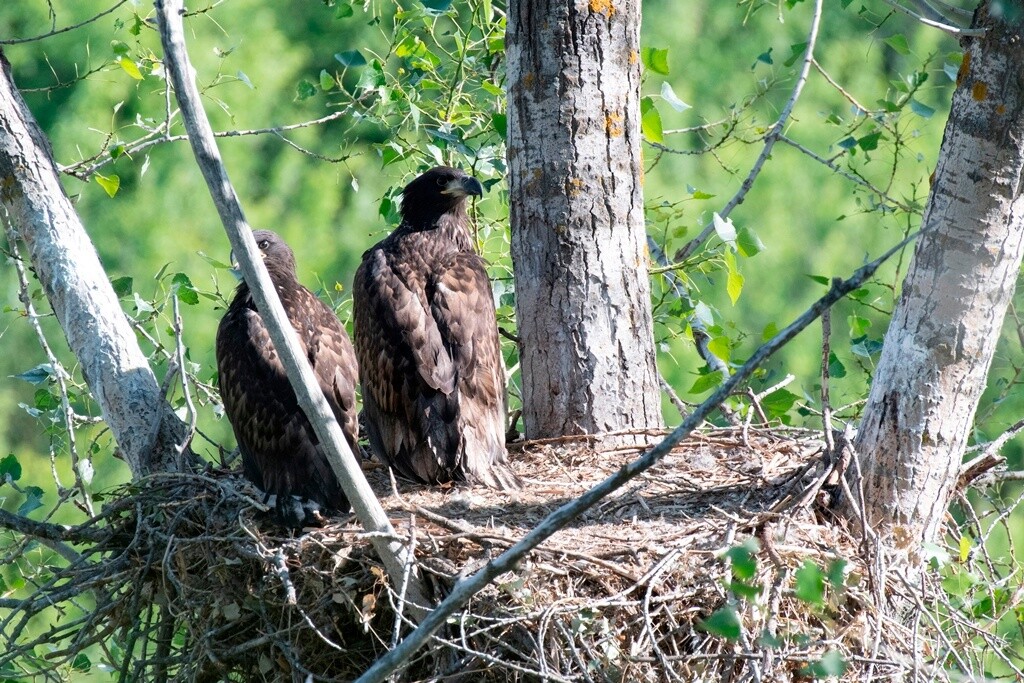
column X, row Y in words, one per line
column 195, row 583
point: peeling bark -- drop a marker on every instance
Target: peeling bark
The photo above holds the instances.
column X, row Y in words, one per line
column 147, row 432
column 578, row 237
column 943, row 334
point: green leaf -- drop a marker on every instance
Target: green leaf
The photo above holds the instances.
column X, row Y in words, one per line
column 748, row 243
column 33, row 500
column 965, row 548
column 796, row 51
column 304, row 89
column 858, row 325
column 81, row 662
column 898, row 43
column 44, row 400
column 351, row 58
column 744, row 558
column 921, row 109
column 810, row 583
column 130, row 68
column 847, row 143
column 723, row 622
column 870, row 141
column 831, row 665
column 437, row 5
column 37, row 375
column 344, row 11
column 779, row 402
column 669, row 95
column 110, row 184
column 219, row 265
column 706, row 383
column 120, row 48
column 655, row 59
column 820, row 279
column 721, row 347
column 650, row 121
column 499, row 122
column 836, row 368
column 122, row 286
column 184, row 289
column 326, row 80
column 765, row 58
column 734, row 280
column 769, row 331
column 10, row 466
column 836, row 572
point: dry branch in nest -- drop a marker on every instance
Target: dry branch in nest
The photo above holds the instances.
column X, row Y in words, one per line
column 184, row 579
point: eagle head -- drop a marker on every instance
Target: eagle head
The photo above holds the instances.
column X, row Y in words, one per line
column 436, row 192
column 277, row 256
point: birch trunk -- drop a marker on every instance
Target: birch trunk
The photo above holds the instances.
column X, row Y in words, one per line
column 578, row 239
column 147, row 432
column 940, row 343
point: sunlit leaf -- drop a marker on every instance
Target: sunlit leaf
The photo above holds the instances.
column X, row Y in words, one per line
column 650, row 121
column 725, row 229
column 655, row 59
column 110, row 184
column 130, row 68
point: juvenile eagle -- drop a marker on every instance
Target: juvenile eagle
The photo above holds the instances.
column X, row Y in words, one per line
column 280, row 451
column 427, row 341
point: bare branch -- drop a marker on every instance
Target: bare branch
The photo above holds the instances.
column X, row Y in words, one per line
column 507, row 561
column 770, row 138
column 58, row 31
column 311, row 398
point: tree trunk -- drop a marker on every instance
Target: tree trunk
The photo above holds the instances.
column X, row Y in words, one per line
column 943, row 333
column 149, row 435
column 578, row 239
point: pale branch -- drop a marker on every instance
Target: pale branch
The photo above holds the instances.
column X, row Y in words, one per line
column 49, row 531
column 507, row 561
column 58, row 31
column 79, row 291
column 59, row 373
column 770, row 138
column 835, row 168
column 941, row 25
column 85, row 168
column 343, row 462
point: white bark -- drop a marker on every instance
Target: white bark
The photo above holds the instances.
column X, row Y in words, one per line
column 311, row 399
column 943, row 333
column 147, row 432
column 578, row 238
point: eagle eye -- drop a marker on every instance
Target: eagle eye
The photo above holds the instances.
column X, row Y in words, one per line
column 263, row 244
column 442, row 181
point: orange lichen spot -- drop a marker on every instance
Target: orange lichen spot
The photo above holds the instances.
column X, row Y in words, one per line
column 575, row 187
column 1000, row 109
column 528, row 80
column 965, row 65
column 634, row 57
column 604, row 7
column 613, row 124
column 979, row 91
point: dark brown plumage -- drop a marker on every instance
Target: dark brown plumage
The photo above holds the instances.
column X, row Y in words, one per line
column 280, row 451
column 427, row 339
